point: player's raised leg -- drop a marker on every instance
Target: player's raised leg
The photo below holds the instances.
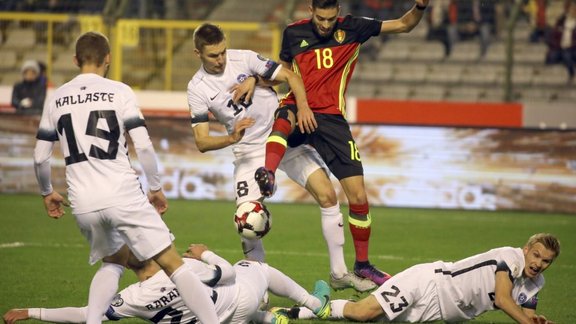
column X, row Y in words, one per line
column 276, row 145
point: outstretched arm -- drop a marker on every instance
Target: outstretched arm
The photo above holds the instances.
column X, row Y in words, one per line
column 223, row 272
column 407, row 22
column 206, row 142
column 55, row 315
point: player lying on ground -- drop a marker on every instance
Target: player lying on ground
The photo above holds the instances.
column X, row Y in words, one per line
column 235, row 290
column 504, row 278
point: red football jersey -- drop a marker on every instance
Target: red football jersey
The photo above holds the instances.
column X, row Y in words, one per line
column 326, row 64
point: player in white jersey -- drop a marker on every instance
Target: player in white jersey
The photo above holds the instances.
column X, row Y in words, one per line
column 90, row 116
column 504, row 278
column 235, row 291
column 215, row 88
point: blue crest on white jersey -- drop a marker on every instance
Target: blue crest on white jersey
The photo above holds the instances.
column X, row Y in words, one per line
column 522, row 298
column 241, row 77
column 117, row 301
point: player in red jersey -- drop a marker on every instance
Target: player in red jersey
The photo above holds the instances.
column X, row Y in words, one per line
column 323, row 50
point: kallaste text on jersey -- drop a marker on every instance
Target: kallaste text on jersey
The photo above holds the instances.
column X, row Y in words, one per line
column 84, row 98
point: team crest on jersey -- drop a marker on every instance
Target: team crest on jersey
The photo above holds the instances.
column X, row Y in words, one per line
column 241, row 77
column 339, row 35
column 117, row 301
column 522, row 298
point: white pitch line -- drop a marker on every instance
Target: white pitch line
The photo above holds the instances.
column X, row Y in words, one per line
column 416, row 260
column 10, row 245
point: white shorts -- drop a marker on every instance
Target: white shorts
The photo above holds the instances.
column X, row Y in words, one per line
column 298, row 164
column 410, row 296
column 252, row 281
column 137, row 225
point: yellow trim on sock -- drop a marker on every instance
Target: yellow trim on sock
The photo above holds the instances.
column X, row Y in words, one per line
column 277, row 139
column 360, row 223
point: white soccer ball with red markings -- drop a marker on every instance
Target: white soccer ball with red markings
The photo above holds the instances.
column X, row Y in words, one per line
column 253, row 220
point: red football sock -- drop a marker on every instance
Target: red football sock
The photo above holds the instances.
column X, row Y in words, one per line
column 360, row 215
column 276, row 143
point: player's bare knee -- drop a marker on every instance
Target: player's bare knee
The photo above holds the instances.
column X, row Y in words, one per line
column 357, row 199
column 326, row 199
column 119, row 258
column 354, row 311
column 363, row 310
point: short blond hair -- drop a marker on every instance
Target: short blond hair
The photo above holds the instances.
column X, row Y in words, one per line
column 548, row 240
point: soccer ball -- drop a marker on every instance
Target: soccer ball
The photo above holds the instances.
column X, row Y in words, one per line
column 252, row 220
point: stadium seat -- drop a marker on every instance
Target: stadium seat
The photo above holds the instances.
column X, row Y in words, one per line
column 20, row 39
column 248, row 11
column 376, row 72
column 496, row 53
column 410, row 72
column 494, row 93
column 38, row 53
column 64, row 62
column 395, row 50
column 466, row 51
column 8, row 59
column 361, row 89
column 522, row 74
column 445, row 73
column 9, row 78
column 526, row 53
column 394, row 91
column 550, row 75
column 463, row 93
column 428, row 51
column 482, row 74
column 539, row 94
column 429, row 92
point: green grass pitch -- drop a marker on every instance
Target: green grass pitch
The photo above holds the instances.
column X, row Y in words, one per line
column 44, row 262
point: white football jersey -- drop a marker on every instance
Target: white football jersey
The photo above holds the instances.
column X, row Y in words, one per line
column 455, row 291
column 89, row 116
column 466, row 287
column 211, row 93
column 158, row 300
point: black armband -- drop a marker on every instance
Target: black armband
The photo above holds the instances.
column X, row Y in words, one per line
column 421, row 8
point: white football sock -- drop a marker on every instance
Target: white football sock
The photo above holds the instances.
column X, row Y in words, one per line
column 195, row 294
column 333, row 231
column 253, row 249
column 305, row 313
column 337, row 307
column 282, row 285
column 102, row 290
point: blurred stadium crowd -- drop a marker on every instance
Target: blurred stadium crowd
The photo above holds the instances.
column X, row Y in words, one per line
column 458, row 53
